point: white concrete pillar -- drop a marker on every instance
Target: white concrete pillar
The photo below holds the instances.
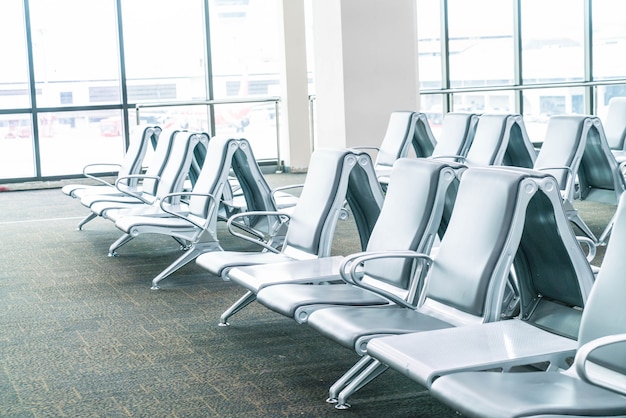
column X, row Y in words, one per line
column 365, row 68
column 294, row 118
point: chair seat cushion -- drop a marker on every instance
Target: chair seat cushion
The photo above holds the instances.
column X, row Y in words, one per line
column 493, row 394
column 346, row 324
column 286, row 298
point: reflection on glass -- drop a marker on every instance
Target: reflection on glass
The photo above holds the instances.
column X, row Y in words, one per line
column 14, row 91
column 75, row 52
column 541, row 104
column 70, row 140
column 16, row 146
column 552, row 41
column 481, row 42
column 609, row 38
column 429, row 43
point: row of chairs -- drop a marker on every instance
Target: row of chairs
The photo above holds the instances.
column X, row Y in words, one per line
column 586, row 158
column 382, row 295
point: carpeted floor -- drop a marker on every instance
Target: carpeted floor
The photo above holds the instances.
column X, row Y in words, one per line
column 82, row 334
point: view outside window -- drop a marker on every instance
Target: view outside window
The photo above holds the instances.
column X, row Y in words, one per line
column 246, row 57
column 609, row 46
column 481, row 44
column 429, row 59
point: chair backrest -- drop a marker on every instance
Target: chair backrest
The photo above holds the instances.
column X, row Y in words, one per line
column 563, row 147
column 314, row 218
column 599, row 175
column 142, row 138
column 256, row 191
column 457, row 133
column 615, row 124
column 605, row 311
column 365, row 198
column 405, row 129
column 552, row 273
column 410, row 217
column 213, row 179
column 467, row 280
column 181, row 155
column 501, row 139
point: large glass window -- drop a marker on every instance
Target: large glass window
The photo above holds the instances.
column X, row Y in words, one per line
column 75, row 52
column 14, row 89
column 552, row 41
column 481, row 42
column 609, row 38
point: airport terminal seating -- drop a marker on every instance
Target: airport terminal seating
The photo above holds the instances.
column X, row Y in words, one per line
column 413, row 210
column 334, row 177
column 466, row 282
column 592, row 386
column 142, row 138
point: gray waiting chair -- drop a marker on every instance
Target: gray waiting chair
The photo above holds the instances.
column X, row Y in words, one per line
column 170, row 169
column 334, row 176
column 190, row 217
column 592, row 386
column 465, row 283
column 499, row 139
column 406, row 130
column 409, row 221
column 142, row 138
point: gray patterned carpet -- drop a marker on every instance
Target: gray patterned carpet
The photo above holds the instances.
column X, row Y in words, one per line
column 82, row 334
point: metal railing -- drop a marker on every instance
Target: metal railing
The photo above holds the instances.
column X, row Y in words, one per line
column 210, row 119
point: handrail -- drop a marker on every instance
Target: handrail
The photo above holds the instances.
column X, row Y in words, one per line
column 269, row 99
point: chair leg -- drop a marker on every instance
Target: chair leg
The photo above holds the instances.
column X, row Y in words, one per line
column 117, row 244
column 88, row 218
column 189, row 255
column 345, row 380
column 603, row 240
column 370, row 373
column 244, row 301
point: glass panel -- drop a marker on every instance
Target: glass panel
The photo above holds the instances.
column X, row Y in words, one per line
column 164, row 65
column 14, row 91
column 609, row 38
column 75, row 52
column 605, row 94
column 429, row 43
column 540, row 104
column 16, row 146
column 485, row 102
column 481, row 42
column 552, row 52
column 251, row 28
column 70, row 140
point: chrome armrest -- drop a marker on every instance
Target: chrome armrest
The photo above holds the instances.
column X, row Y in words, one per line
column 122, row 186
column 231, row 225
column 595, row 374
column 182, row 215
column 458, row 158
column 591, row 247
column 98, row 179
column 351, row 270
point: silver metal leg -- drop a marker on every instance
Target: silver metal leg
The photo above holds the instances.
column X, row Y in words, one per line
column 88, row 218
column 189, row 255
column 244, row 301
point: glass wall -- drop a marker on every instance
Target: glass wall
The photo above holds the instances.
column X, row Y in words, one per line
column 534, row 57
column 75, row 71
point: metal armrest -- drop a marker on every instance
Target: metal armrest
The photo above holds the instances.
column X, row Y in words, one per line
column 591, row 247
column 121, row 185
column 366, row 147
column 98, row 179
column 231, row 225
column 351, row 272
column 595, row 374
column 181, row 215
